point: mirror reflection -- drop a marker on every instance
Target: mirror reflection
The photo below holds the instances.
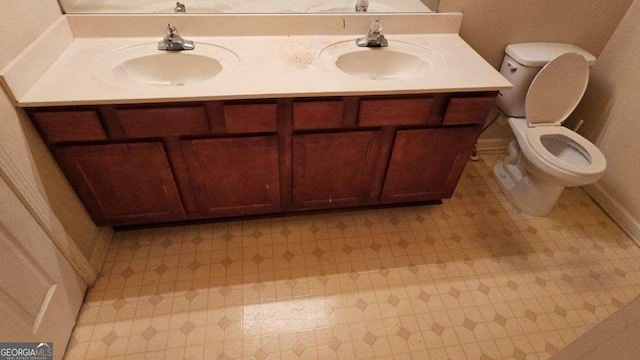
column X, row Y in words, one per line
column 246, row 6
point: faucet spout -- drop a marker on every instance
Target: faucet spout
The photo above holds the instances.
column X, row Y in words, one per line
column 174, row 42
column 374, row 38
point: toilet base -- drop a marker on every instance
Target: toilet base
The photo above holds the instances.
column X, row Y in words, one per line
column 527, row 193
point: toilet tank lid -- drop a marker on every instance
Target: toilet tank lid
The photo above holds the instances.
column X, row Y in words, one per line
column 540, row 53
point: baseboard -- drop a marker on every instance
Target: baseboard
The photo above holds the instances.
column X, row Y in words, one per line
column 617, row 211
column 492, row 145
column 100, row 250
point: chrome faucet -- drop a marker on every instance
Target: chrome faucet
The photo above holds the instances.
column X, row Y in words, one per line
column 362, row 5
column 180, row 8
column 374, row 38
column 174, row 42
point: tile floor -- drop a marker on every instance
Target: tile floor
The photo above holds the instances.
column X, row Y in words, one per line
column 471, row 279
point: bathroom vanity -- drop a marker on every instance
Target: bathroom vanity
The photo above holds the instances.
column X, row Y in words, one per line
column 283, row 126
column 135, row 164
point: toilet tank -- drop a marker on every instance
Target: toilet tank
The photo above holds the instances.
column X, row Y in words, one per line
column 520, row 66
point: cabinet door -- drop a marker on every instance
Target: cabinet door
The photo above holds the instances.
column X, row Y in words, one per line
column 334, row 169
column 234, row 176
column 123, row 183
column 426, row 164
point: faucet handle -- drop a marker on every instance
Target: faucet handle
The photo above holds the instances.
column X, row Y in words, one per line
column 376, row 26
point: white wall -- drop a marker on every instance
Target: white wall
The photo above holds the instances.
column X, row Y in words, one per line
column 21, row 22
column 490, row 25
column 611, row 112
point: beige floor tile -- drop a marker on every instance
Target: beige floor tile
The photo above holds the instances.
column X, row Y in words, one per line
column 473, row 278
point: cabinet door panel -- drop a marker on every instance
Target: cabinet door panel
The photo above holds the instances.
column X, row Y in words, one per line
column 426, row 164
column 334, row 169
column 234, row 176
column 123, row 183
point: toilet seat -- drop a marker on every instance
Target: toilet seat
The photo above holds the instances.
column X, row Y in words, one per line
column 554, row 93
column 576, row 145
column 557, row 90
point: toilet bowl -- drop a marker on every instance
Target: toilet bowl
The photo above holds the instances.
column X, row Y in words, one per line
column 546, row 157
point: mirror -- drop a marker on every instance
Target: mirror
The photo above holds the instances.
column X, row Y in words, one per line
column 245, row 6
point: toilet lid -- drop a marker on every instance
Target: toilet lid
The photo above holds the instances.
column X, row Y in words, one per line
column 566, row 150
column 556, row 90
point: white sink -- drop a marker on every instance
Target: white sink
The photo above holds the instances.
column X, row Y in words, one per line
column 339, row 7
column 399, row 61
column 146, row 66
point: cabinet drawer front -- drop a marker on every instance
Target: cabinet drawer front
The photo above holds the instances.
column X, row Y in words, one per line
column 59, row 126
column 164, row 121
column 468, row 110
column 318, row 114
column 395, row 112
column 123, row 183
column 251, row 118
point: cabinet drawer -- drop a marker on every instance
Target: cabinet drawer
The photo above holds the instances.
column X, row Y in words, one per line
column 163, row 121
column 468, row 110
column 318, row 114
column 394, row 112
column 251, row 118
column 58, row 126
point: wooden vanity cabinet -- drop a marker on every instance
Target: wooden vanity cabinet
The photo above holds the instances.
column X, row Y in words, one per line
column 143, row 164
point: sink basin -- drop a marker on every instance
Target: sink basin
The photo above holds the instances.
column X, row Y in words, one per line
column 146, row 66
column 399, row 61
column 339, row 7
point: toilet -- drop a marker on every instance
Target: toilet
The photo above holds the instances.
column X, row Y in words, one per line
column 549, row 82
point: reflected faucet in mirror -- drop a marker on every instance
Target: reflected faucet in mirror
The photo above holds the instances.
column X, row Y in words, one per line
column 174, row 42
column 180, row 8
column 362, row 5
column 374, row 38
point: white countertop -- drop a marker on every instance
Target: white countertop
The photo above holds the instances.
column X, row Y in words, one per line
column 268, row 67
